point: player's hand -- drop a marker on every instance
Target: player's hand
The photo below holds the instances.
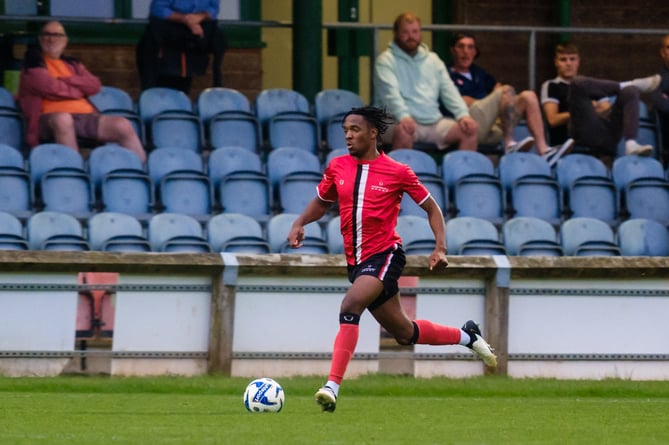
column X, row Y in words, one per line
column 296, row 236
column 438, row 260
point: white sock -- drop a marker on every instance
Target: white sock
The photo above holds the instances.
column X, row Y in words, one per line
column 464, row 338
column 334, row 386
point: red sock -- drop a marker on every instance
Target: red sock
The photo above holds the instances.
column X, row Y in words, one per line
column 435, row 334
column 344, row 346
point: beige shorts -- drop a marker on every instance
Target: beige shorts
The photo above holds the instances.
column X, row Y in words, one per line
column 486, row 113
column 427, row 134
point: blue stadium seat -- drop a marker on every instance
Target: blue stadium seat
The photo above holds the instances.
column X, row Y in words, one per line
column 181, row 184
column 467, row 235
column 286, row 119
column 228, row 120
column 528, row 236
column 278, row 228
column 294, row 175
column 60, row 180
column 234, row 232
column 16, row 193
column 644, row 178
column 55, row 231
column 333, row 232
column 480, row 196
column 416, row 234
column 330, row 106
column 643, row 237
column 239, row 181
column 12, row 236
column 587, row 237
column 116, row 232
column 531, row 189
column 175, row 232
column 169, row 119
column 460, row 163
column 11, row 121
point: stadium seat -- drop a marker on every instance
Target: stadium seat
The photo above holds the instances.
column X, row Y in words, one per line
column 645, row 176
column 110, row 157
column 239, row 181
column 587, row 237
column 60, row 180
column 55, row 231
column 175, row 232
column 467, row 235
column 11, row 121
column 416, row 234
column 115, row 101
column 330, row 106
column 333, row 232
column 228, row 120
column 234, row 232
column 168, row 117
column 116, row 232
column 294, row 175
column 278, row 228
column 480, row 196
column 460, row 163
column 643, row 237
column 528, row 236
column 530, row 187
column 12, row 235
column 16, row 193
column 287, row 121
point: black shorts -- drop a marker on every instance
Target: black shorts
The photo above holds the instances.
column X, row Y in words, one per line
column 387, row 266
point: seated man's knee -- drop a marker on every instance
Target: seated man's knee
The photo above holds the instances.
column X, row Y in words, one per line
column 629, row 93
column 60, row 121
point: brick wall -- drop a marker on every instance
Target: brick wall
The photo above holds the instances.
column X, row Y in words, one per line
column 115, row 65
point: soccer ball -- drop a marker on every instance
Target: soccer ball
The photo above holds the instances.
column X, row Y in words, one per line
column 264, row 395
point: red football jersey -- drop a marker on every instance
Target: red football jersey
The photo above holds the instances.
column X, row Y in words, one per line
column 369, row 195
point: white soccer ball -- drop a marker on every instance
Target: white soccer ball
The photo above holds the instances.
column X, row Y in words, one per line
column 264, row 395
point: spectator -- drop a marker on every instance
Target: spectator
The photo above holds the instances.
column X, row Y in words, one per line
column 177, row 42
column 410, row 81
column 496, row 108
column 53, row 95
column 660, row 97
column 579, row 106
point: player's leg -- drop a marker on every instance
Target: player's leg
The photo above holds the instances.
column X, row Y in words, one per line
column 363, row 291
column 392, row 317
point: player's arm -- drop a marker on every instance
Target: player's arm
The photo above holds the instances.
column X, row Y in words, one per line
column 313, row 212
column 436, row 220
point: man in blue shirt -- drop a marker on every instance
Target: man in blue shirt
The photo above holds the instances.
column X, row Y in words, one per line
column 177, row 42
column 496, row 107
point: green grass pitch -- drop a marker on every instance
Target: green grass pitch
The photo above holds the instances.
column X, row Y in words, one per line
column 371, row 410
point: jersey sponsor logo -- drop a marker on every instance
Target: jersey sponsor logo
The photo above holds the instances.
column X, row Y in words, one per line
column 380, row 188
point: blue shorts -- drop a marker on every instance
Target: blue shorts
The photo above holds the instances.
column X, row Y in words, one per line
column 387, row 266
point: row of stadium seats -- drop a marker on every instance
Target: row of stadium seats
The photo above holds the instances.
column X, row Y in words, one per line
column 232, row 232
column 236, row 180
column 165, row 117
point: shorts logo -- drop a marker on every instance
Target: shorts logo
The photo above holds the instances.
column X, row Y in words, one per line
column 368, row 268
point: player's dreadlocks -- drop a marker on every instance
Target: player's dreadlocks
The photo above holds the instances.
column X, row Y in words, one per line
column 377, row 117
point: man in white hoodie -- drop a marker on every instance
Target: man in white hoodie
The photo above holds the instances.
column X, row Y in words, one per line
column 411, row 82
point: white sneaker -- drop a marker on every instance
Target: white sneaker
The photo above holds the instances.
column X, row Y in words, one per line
column 646, row 84
column 524, row 145
column 632, row 147
column 326, row 398
column 557, row 151
column 478, row 344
